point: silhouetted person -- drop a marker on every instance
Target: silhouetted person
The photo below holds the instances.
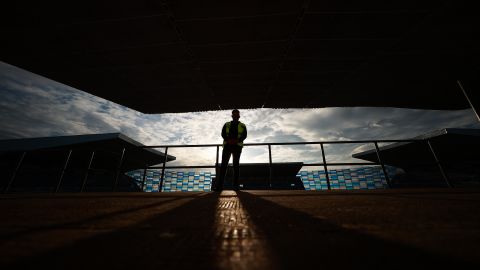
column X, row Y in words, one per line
column 233, row 133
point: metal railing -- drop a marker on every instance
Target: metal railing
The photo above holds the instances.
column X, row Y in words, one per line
column 163, row 167
column 324, row 162
column 65, row 163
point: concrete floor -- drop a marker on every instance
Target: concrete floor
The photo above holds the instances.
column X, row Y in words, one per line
column 391, row 229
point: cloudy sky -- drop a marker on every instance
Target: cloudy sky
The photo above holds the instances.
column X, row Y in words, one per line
column 34, row 106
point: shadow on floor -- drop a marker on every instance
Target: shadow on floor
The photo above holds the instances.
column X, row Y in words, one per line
column 184, row 237
column 300, row 241
column 82, row 222
column 181, row 238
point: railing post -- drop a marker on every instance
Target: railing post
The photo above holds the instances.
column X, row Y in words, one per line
column 270, row 165
column 144, row 177
column 445, row 177
column 217, row 169
column 216, row 162
column 383, row 165
column 87, row 172
column 12, row 179
column 63, row 171
column 119, row 168
column 163, row 170
column 325, row 166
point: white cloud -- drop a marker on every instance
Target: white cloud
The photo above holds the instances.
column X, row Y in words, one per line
column 33, row 106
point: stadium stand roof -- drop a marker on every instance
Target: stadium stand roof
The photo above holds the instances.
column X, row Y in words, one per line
column 450, row 145
column 135, row 157
column 92, row 162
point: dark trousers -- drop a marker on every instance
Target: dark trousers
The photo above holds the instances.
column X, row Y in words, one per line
column 229, row 150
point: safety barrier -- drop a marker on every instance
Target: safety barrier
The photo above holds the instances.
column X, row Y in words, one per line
column 166, row 148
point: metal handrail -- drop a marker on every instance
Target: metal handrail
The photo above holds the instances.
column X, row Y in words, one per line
column 325, row 164
column 282, row 143
column 304, row 164
column 163, row 167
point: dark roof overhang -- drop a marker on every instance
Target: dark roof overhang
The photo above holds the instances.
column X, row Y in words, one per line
column 190, row 55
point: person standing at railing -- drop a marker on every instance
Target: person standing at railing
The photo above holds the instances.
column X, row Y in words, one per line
column 233, row 134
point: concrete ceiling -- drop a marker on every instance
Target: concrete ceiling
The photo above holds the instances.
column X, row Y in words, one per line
column 191, row 55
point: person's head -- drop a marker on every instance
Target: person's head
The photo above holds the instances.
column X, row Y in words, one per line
column 235, row 115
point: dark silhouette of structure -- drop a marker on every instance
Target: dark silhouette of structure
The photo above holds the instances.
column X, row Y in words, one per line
column 96, row 162
column 277, row 54
column 455, row 156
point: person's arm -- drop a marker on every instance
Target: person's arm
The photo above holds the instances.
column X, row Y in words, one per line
column 244, row 135
column 224, row 131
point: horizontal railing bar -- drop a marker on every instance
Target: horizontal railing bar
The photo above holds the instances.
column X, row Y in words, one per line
column 183, row 167
column 181, row 146
column 285, row 143
column 340, row 164
column 241, row 165
column 332, row 142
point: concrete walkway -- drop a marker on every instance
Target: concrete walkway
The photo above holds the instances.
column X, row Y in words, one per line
column 391, row 229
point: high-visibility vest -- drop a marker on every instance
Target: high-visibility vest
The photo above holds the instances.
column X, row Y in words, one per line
column 240, row 129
